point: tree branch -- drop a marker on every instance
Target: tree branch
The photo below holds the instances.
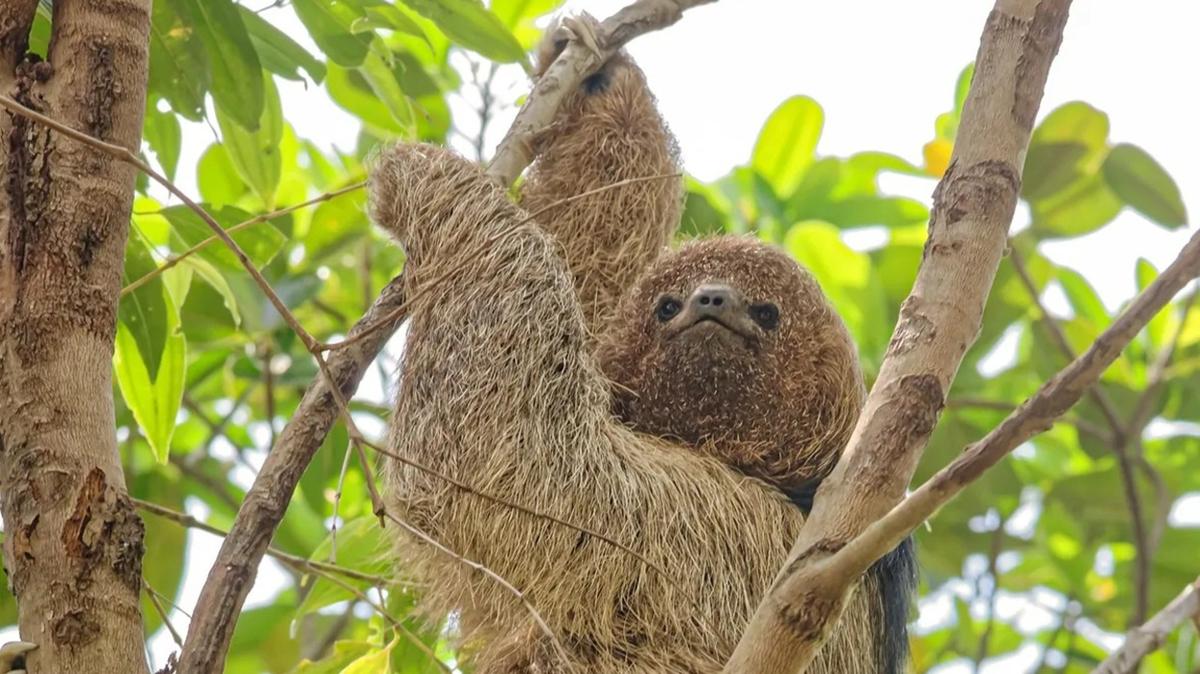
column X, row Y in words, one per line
column 973, row 207
column 1034, row 416
column 1141, row 641
column 571, row 67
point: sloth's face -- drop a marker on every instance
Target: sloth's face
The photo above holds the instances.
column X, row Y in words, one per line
column 728, row 345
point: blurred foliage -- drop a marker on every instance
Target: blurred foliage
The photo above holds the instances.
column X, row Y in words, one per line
column 1040, row 553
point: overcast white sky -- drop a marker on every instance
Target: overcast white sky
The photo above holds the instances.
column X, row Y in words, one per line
column 883, row 70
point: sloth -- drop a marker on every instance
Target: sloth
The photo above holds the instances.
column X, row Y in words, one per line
column 688, row 414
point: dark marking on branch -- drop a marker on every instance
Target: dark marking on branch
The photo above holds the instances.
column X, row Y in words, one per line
column 1039, row 46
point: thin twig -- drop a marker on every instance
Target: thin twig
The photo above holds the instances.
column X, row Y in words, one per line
column 312, row 566
column 1051, row 400
column 256, row 220
column 162, row 612
column 1119, row 445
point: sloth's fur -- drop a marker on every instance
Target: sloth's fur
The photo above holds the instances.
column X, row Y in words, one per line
column 607, row 132
column 502, row 389
column 778, row 405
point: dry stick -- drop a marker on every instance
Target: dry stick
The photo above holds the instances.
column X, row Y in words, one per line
column 162, row 612
column 1034, row 416
column 1141, row 641
column 295, row 561
column 256, row 220
column 972, row 210
column 1119, row 445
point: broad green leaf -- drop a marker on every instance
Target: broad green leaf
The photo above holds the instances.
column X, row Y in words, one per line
column 351, row 91
column 390, row 17
column 1157, row 328
column 178, row 68
column 1143, row 184
column 154, row 400
column 383, row 82
column 217, row 177
column 279, row 53
column 787, row 144
column 1085, row 207
column 144, row 312
column 360, row 546
column 213, row 278
column 161, row 131
column 469, row 24
column 235, row 71
column 519, row 16
column 375, row 662
column 330, row 23
column 1083, row 297
column 255, row 154
column 344, row 653
column 1069, row 144
column 705, row 210
column 260, row 241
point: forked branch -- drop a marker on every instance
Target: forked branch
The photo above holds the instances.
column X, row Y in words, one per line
column 972, row 210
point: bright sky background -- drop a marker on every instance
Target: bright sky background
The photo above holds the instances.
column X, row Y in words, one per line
column 883, row 70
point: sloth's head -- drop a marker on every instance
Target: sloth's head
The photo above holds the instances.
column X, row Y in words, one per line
column 731, row 347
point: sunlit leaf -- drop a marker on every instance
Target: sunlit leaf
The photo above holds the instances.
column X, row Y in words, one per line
column 375, row 662
column 344, row 653
column 787, row 143
column 330, row 23
column 255, row 154
column 469, row 24
column 233, row 64
column 144, row 312
column 217, row 177
column 1086, row 206
column 1143, row 184
column 161, row 131
column 279, row 53
column 154, row 400
column 1068, row 145
column 178, row 66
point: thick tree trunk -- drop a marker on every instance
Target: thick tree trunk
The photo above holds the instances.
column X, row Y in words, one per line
column 73, row 543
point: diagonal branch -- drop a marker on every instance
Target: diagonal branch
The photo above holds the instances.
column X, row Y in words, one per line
column 973, row 207
column 1142, row 640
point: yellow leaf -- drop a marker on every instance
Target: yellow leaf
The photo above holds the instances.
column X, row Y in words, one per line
column 937, row 156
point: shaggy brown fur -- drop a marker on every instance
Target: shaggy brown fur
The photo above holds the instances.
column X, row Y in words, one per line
column 500, row 390
column 777, row 402
column 608, row 131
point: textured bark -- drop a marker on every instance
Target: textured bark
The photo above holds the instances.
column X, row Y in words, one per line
column 972, row 209
column 1143, row 640
column 73, row 550
column 232, row 574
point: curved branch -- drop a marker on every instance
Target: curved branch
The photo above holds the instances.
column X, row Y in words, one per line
column 1141, row 641
column 968, row 230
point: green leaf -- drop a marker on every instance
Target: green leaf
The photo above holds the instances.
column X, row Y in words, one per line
column 161, row 131
column 279, row 53
column 233, row 64
column 1083, row 298
column 1143, row 184
column 1084, row 207
column 787, row 143
column 144, row 312
column 218, row 283
column 1068, row 145
column 469, row 24
column 217, row 178
column 383, row 82
column 375, row 662
column 351, row 91
column 260, row 241
column 330, row 23
column 519, row 16
column 255, row 154
column 344, row 653
column 390, row 17
column 178, row 71
column 153, row 399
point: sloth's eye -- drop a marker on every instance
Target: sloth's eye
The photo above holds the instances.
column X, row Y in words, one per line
column 667, row 308
column 766, row 315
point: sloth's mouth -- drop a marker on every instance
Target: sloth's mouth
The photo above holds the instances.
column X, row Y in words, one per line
column 713, row 322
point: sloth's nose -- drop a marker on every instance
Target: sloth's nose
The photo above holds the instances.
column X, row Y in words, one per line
column 713, row 300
